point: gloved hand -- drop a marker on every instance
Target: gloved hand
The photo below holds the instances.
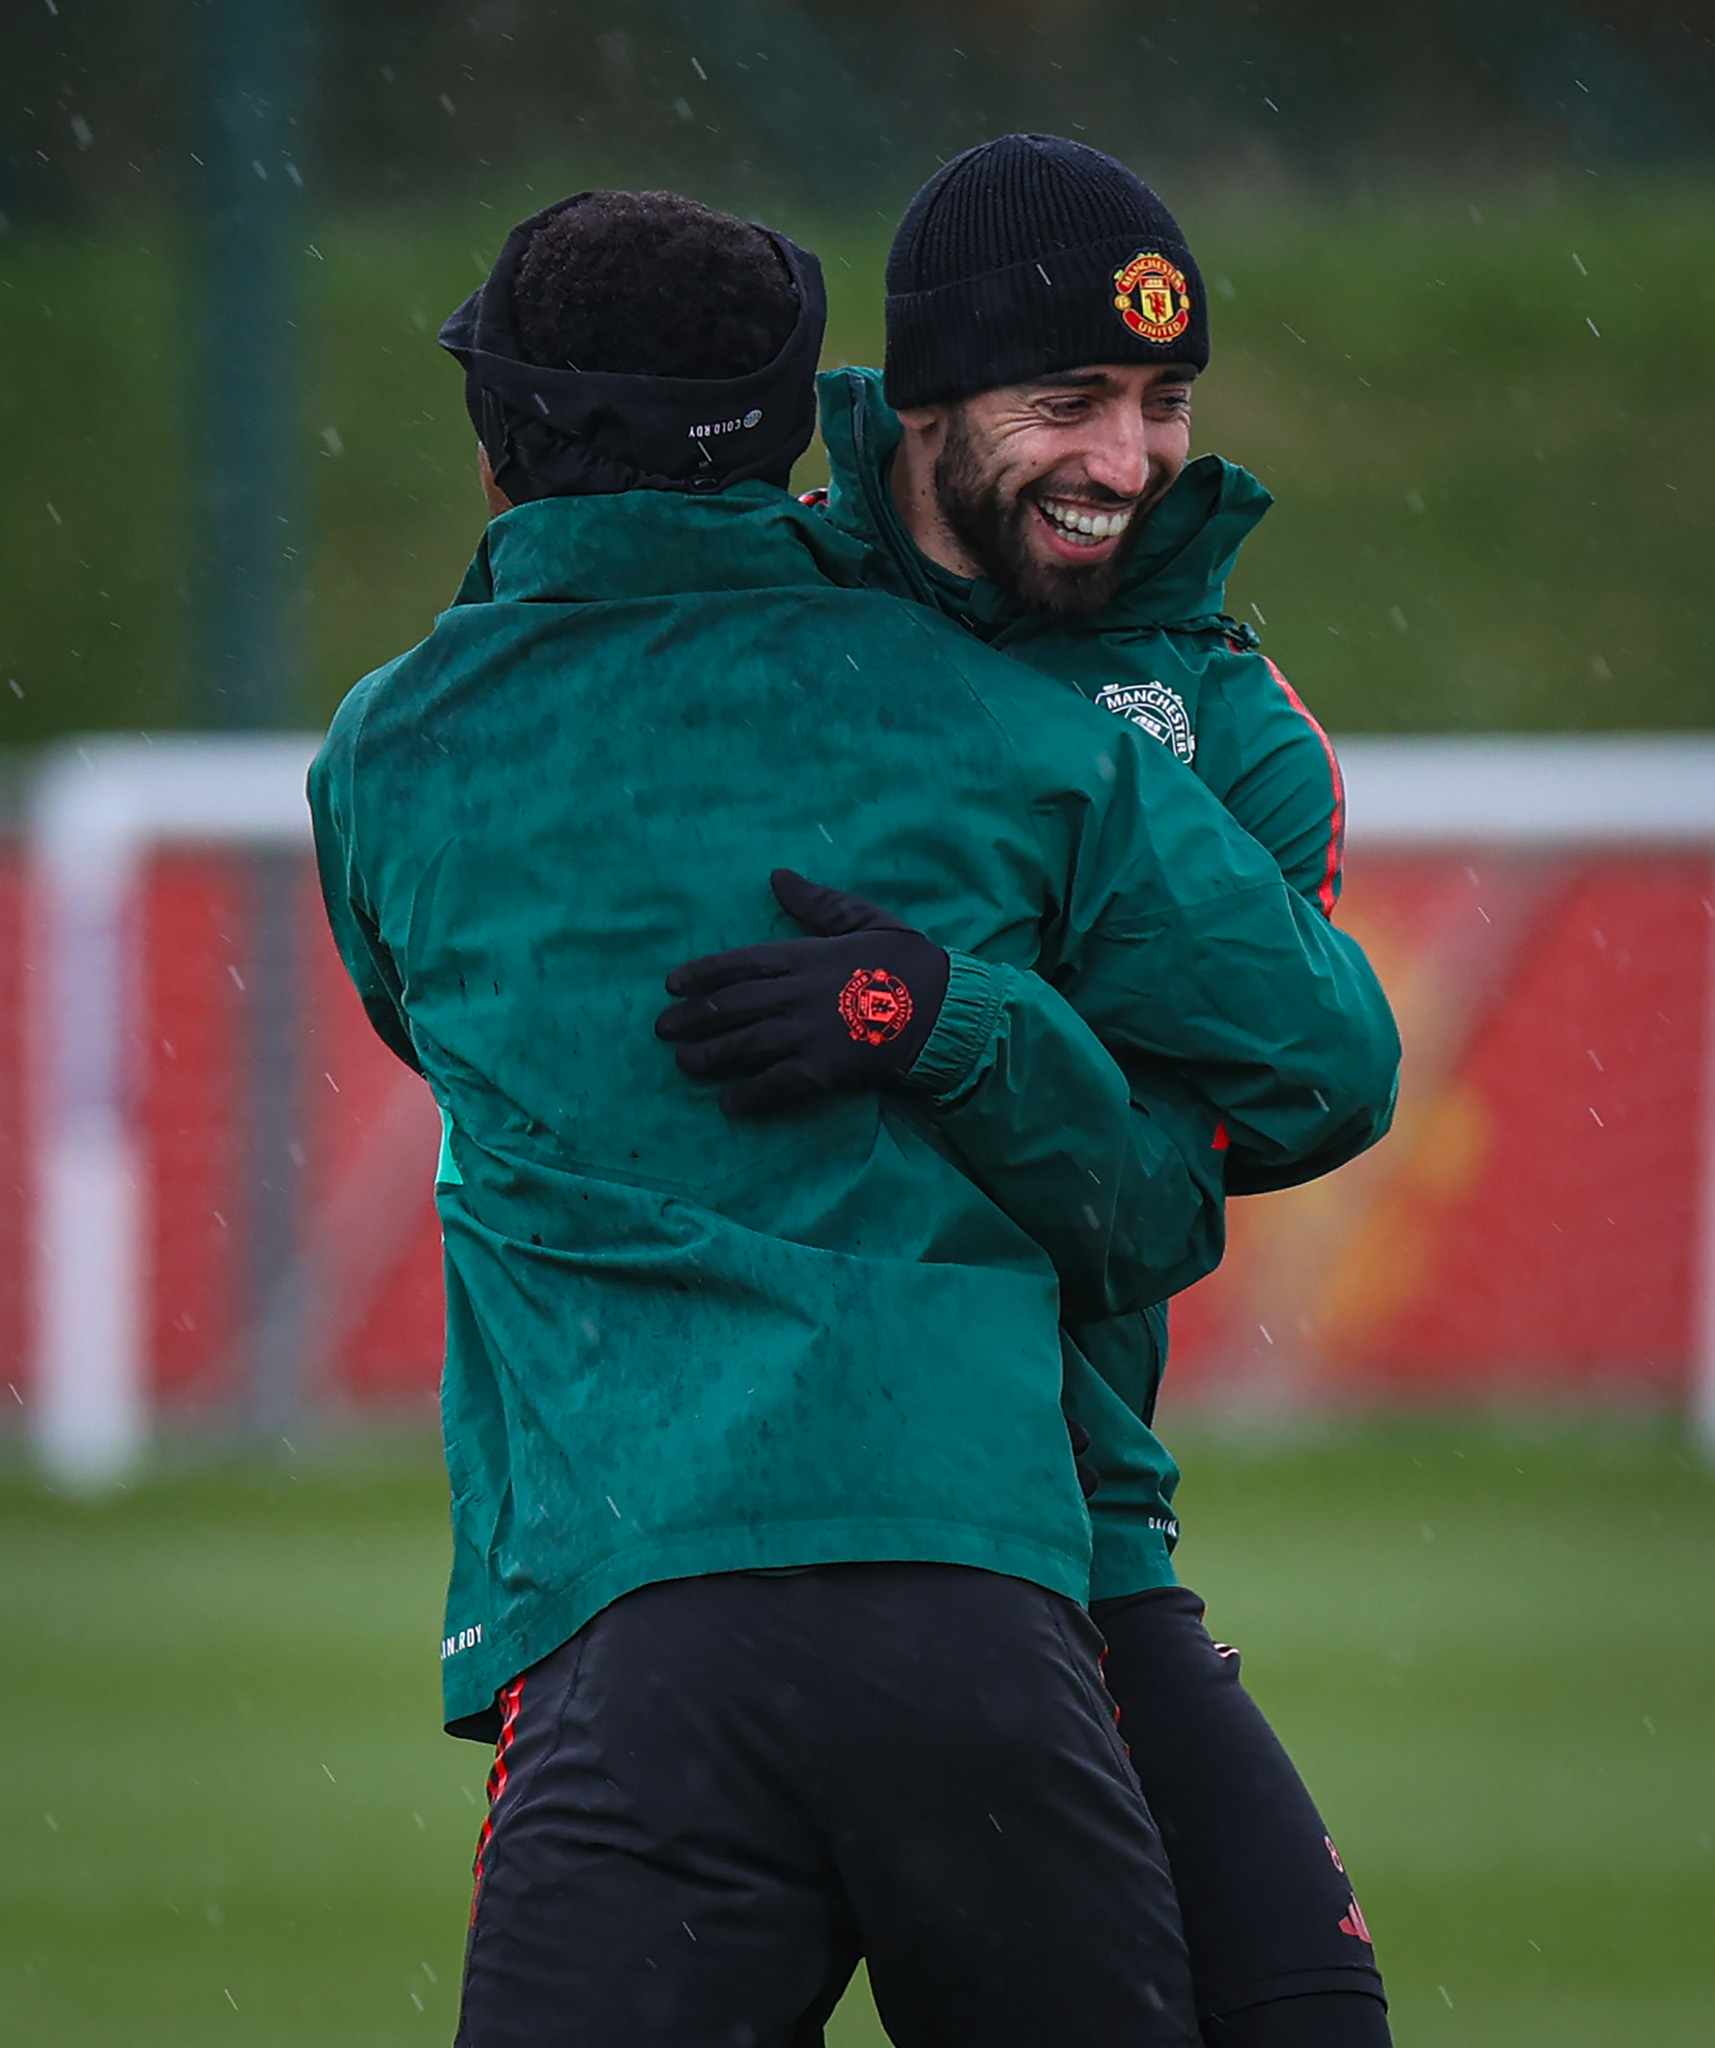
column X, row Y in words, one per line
column 792, row 1019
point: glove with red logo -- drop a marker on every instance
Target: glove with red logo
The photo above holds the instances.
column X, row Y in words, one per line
column 792, row 1019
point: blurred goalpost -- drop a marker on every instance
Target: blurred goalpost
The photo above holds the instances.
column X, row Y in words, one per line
column 102, row 808
column 99, row 811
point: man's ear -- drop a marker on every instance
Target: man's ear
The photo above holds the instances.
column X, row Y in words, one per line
column 498, row 501
column 923, row 419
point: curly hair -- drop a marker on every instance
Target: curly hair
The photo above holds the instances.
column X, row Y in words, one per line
column 649, row 284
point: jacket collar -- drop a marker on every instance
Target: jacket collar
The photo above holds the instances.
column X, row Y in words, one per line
column 1177, row 578
column 640, row 544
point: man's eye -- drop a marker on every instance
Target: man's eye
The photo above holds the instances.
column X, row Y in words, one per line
column 1061, row 410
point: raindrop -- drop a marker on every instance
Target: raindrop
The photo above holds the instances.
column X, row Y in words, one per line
column 448, row 105
column 81, row 132
column 1398, row 618
column 1600, row 669
column 698, row 69
column 1582, row 272
column 1594, row 329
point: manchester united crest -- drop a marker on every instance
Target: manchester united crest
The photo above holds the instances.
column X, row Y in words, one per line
column 876, row 1005
column 1152, row 297
column 1160, row 711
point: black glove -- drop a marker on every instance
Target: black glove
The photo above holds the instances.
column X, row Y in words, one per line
column 792, row 1019
column 1089, row 1479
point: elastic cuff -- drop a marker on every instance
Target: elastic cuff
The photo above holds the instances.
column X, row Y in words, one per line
column 963, row 1030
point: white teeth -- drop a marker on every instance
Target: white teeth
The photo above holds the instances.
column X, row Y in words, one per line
column 1095, row 526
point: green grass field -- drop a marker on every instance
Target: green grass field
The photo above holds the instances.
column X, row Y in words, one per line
column 227, row 1814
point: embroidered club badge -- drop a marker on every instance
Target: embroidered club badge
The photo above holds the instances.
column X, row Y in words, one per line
column 1160, row 711
column 876, row 1005
column 1152, row 297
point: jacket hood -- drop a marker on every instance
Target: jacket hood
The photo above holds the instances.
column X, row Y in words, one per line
column 642, row 544
column 1177, row 577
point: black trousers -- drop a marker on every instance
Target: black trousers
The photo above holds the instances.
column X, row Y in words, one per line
column 1280, row 1953
column 722, row 1791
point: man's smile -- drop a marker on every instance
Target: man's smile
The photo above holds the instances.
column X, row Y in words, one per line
column 1082, row 533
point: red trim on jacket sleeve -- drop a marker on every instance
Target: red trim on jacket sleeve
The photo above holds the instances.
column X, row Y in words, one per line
column 1326, row 894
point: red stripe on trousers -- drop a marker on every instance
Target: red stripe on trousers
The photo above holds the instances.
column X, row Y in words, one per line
column 510, row 1701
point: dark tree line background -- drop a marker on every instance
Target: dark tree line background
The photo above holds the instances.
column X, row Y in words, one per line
column 1463, row 253
column 848, row 103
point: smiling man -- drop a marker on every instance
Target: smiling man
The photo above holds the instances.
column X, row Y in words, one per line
column 1041, row 487
column 1023, row 465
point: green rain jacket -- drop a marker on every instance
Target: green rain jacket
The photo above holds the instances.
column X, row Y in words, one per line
column 1164, row 655
column 679, row 1344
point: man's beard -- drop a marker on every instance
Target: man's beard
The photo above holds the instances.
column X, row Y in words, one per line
column 993, row 532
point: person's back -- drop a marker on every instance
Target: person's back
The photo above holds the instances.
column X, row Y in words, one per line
column 818, row 1326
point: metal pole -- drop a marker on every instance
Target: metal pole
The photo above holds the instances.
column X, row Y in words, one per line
column 275, row 1365
column 252, row 57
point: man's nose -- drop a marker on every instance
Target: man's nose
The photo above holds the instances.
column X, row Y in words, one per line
column 1118, row 458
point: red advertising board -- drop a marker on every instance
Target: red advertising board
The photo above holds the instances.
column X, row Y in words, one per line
column 1529, row 1231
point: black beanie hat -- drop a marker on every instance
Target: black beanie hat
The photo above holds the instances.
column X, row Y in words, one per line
column 1029, row 255
column 564, row 432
